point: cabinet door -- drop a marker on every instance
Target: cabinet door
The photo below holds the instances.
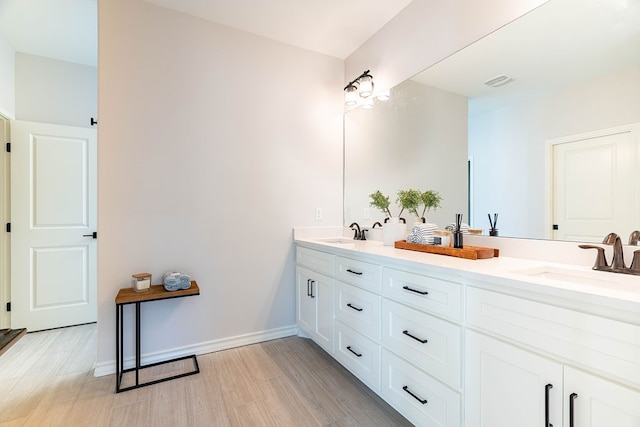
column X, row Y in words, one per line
column 507, row 386
column 598, row 402
column 322, row 294
column 305, row 305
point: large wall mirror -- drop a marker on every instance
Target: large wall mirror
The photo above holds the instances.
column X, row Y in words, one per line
column 554, row 141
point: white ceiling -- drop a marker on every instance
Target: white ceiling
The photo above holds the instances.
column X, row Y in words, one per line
column 561, row 43
column 60, row 29
column 332, row 27
column 67, row 29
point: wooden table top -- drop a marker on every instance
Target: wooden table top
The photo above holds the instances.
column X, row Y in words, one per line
column 155, row 292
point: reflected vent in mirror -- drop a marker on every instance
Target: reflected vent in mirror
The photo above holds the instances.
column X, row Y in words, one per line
column 498, row 81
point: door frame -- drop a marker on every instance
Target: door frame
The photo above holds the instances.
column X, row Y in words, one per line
column 633, row 128
column 5, row 217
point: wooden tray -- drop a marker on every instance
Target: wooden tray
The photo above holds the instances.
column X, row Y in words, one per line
column 468, row 252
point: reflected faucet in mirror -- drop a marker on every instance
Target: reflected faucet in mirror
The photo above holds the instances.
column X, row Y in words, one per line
column 633, row 238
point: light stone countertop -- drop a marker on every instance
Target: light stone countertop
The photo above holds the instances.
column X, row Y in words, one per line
column 569, row 285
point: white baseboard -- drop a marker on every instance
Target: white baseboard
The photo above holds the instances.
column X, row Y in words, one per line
column 109, row 367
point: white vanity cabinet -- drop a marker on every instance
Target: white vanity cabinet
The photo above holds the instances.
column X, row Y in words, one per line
column 450, row 347
column 314, row 296
column 542, row 365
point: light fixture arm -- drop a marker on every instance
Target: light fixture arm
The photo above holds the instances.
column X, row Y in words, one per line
column 357, row 79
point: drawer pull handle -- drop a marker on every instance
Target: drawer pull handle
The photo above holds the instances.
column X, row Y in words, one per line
column 354, row 307
column 572, row 397
column 423, row 401
column 406, row 332
column 311, row 294
column 406, row 288
column 358, row 273
column 308, row 287
column 546, row 405
column 351, row 350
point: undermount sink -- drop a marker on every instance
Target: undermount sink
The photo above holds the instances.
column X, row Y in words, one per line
column 578, row 277
column 337, row 240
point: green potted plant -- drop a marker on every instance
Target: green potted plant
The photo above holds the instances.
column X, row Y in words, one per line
column 430, row 199
column 393, row 229
column 410, row 200
column 381, row 202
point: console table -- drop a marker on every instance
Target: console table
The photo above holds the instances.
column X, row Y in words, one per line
column 129, row 296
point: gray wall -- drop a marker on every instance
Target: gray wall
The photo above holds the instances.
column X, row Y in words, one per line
column 52, row 91
column 7, row 79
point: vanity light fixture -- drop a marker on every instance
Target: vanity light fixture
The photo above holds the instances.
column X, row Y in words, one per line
column 361, row 85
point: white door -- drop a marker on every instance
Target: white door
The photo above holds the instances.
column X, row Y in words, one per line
column 595, row 185
column 597, row 402
column 53, row 215
column 507, row 386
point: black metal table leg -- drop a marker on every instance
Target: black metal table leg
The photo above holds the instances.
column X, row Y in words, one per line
column 137, row 343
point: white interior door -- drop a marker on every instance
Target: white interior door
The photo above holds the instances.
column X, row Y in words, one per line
column 53, row 208
column 595, row 185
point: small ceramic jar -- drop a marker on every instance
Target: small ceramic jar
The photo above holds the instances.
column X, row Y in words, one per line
column 141, row 282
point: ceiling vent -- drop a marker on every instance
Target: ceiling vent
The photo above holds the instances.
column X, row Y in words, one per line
column 498, row 81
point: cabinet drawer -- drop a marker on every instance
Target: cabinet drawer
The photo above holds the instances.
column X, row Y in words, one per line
column 426, row 293
column 321, row 262
column 421, row 399
column 432, row 344
column 608, row 347
column 359, row 273
column 358, row 309
column 358, row 354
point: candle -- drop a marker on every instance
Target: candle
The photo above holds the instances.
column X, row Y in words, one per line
column 141, row 282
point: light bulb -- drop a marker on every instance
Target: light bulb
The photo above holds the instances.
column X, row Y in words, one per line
column 351, row 95
column 366, row 86
column 384, row 96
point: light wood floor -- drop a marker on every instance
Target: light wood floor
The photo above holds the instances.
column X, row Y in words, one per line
column 46, row 379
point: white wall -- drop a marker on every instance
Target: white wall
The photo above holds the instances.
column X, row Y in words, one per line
column 7, row 80
column 427, row 31
column 53, row 91
column 511, row 142
column 213, row 144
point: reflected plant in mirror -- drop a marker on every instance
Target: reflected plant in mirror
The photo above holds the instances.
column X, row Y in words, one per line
column 555, row 150
column 382, row 203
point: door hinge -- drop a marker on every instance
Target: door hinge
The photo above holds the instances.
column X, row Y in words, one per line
column 8, row 147
column 8, row 227
column 555, row 226
column 9, row 306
